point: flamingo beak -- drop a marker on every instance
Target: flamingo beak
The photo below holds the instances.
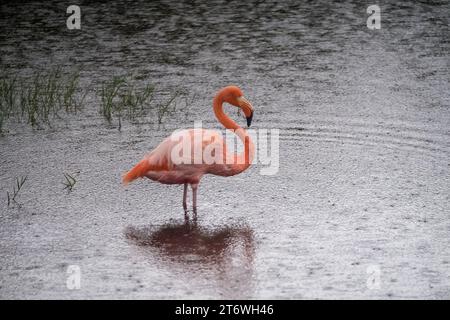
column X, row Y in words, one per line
column 247, row 109
column 249, row 119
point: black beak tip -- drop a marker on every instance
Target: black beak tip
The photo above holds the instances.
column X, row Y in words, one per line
column 249, row 119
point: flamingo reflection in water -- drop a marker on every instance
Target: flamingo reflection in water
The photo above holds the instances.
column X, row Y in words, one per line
column 225, row 254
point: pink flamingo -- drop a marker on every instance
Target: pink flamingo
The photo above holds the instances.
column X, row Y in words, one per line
column 159, row 166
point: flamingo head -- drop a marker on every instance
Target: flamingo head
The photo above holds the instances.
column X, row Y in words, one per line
column 234, row 96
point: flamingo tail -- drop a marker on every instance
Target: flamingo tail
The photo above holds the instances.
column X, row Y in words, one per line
column 140, row 169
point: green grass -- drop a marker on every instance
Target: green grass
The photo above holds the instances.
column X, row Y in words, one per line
column 12, row 197
column 3, row 117
column 135, row 101
column 44, row 96
column 8, row 93
column 69, row 182
column 70, row 89
column 124, row 98
column 8, row 97
column 109, row 94
column 39, row 98
column 168, row 107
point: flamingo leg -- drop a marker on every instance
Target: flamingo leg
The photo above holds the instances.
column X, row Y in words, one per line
column 194, row 199
column 185, row 198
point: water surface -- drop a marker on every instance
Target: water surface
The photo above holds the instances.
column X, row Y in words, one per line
column 364, row 154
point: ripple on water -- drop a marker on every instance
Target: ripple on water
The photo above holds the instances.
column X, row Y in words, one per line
column 414, row 138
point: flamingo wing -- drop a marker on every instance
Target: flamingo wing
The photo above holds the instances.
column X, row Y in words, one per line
column 158, row 164
column 157, row 160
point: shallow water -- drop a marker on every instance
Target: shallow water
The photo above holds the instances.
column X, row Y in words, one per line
column 364, row 154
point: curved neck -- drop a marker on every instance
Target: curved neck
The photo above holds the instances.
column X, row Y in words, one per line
column 243, row 160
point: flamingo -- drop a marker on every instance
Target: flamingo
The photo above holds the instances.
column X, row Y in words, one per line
column 159, row 164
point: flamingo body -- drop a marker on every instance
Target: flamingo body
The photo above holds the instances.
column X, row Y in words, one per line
column 160, row 166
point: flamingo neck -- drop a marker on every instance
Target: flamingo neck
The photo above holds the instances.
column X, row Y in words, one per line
column 243, row 160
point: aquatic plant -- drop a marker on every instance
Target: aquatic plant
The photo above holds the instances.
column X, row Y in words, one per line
column 135, row 100
column 12, row 197
column 167, row 107
column 122, row 97
column 42, row 96
column 2, row 120
column 39, row 97
column 3, row 117
column 70, row 182
column 8, row 94
column 109, row 94
column 46, row 94
column 69, row 93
